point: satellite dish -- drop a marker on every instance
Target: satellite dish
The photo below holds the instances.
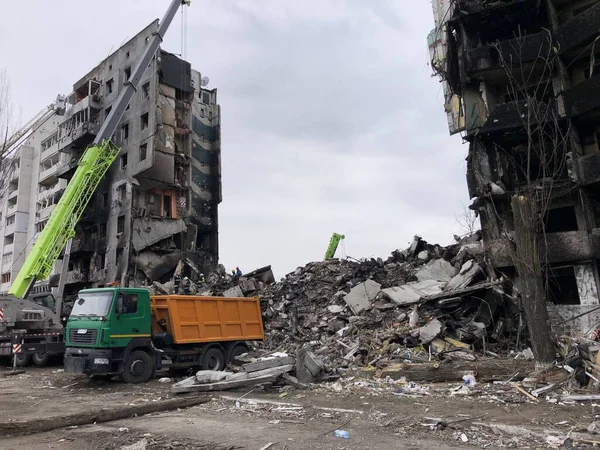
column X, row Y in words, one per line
column 204, row 81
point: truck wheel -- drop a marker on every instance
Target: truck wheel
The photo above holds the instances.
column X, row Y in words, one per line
column 23, row 359
column 138, row 368
column 40, row 359
column 235, row 351
column 213, row 359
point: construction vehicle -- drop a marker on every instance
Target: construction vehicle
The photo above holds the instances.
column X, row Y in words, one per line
column 30, row 325
column 127, row 332
column 333, row 245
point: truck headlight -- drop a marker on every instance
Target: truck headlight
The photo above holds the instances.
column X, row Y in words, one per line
column 101, row 361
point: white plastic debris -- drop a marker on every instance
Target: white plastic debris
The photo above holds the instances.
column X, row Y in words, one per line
column 464, row 438
column 164, row 380
column 469, row 380
column 123, row 430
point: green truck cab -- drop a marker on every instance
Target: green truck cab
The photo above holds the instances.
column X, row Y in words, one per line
column 109, row 331
column 128, row 332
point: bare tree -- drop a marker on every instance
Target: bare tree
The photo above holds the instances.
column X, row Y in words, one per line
column 541, row 163
column 466, row 220
column 8, row 126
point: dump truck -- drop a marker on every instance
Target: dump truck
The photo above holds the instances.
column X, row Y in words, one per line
column 128, row 332
column 31, row 326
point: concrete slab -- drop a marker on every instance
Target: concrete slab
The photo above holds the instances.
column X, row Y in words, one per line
column 438, row 270
column 234, row 291
column 361, row 296
column 429, row 332
column 467, row 273
column 148, row 231
column 411, row 293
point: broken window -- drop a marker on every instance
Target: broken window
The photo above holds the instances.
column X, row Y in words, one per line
column 107, row 112
column 104, row 200
column 125, row 132
column 205, row 98
column 559, row 220
column 10, row 220
column 109, row 67
column 561, row 286
column 121, row 224
column 210, row 115
column 122, row 192
column 119, row 255
column 167, row 207
column 144, row 121
column 6, row 277
column 201, row 112
column 127, row 72
column 71, row 265
column 109, row 85
column 102, row 230
column 146, row 90
column 123, row 160
column 103, row 260
column 143, row 152
column 129, row 303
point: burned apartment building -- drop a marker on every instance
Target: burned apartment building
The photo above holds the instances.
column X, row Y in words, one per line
column 521, row 82
column 157, row 207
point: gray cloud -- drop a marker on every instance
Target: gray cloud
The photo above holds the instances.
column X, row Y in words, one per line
column 331, row 120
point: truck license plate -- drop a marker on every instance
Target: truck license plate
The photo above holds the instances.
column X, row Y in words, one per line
column 82, row 331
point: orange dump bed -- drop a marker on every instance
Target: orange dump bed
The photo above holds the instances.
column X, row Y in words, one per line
column 194, row 319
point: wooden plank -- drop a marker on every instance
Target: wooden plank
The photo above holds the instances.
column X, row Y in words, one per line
column 39, row 425
column 484, row 370
column 268, row 363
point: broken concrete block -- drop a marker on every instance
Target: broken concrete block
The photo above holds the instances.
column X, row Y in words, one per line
column 467, row 273
column 335, row 309
column 234, row 291
column 360, row 296
column 430, row 331
column 437, row 270
column 423, row 255
column 308, row 366
column 210, row 376
column 410, row 293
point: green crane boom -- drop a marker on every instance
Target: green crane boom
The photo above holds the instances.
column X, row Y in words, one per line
column 61, row 226
column 333, row 245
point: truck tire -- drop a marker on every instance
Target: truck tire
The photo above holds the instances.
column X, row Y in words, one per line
column 23, row 359
column 236, row 350
column 213, row 359
column 138, row 368
column 40, row 359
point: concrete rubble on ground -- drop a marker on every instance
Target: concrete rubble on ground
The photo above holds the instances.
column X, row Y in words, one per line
column 421, row 304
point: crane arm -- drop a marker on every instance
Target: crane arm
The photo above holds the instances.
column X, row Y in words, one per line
column 92, row 167
column 333, row 245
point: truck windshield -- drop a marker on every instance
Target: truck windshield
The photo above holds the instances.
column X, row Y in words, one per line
column 92, row 304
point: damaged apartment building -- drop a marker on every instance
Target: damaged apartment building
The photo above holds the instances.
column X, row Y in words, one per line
column 157, row 207
column 521, row 82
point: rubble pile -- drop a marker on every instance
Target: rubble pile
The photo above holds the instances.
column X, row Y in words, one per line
column 421, row 303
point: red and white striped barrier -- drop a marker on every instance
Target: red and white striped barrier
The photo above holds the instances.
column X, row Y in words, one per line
column 16, row 348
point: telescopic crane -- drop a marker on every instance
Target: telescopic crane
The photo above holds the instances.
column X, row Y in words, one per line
column 23, row 319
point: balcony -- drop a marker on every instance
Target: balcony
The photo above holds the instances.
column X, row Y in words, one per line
column 44, row 213
column 82, row 245
column 579, row 31
column 583, row 99
column 513, row 116
column 587, row 169
column 6, row 266
column 565, row 247
column 4, row 287
column 9, row 229
column 49, row 152
column 50, row 192
column 48, row 176
column 80, row 136
column 13, row 194
column 485, row 61
column 12, row 209
column 9, row 248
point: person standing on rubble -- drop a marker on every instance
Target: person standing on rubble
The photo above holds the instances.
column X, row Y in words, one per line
column 201, row 280
column 176, row 283
column 238, row 272
column 186, row 286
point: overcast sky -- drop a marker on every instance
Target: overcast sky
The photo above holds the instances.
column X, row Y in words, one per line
column 331, row 120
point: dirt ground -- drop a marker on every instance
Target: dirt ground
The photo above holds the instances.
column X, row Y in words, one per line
column 290, row 419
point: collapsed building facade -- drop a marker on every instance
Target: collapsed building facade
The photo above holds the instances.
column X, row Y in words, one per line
column 157, row 207
column 521, row 83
